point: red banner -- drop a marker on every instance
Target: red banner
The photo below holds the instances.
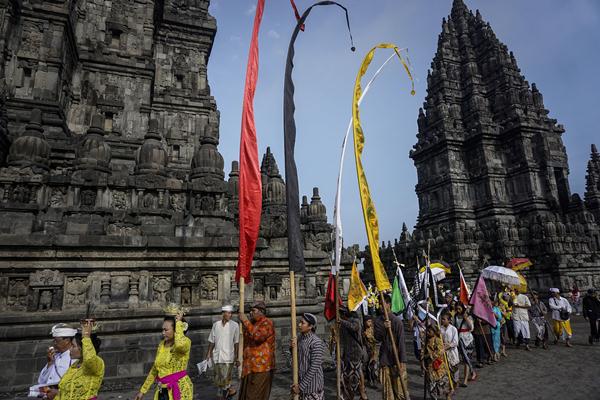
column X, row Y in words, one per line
column 250, row 189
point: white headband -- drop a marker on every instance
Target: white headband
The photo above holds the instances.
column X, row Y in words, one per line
column 61, row 330
column 554, row 290
column 227, row 308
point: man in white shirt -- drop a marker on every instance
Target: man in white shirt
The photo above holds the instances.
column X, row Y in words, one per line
column 223, row 351
column 59, row 359
column 450, row 339
column 520, row 317
column 561, row 310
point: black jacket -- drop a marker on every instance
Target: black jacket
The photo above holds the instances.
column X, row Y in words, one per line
column 591, row 307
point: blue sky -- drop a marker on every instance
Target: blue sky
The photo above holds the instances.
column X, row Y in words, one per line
column 556, row 43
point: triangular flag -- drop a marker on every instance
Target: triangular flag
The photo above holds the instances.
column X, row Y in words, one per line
column 464, row 289
column 482, row 305
column 357, row 292
column 398, row 304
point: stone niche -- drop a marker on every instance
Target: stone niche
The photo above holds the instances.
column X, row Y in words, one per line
column 45, row 290
column 186, row 288
column 273, row 287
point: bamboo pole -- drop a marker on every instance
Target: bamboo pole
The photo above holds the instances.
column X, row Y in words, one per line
column 394, row 347
column 446, row 361
column 484, row 337
column 241, row 341
column 338, row 346
column 424, row 345
column 426, row 285
column 294, row 337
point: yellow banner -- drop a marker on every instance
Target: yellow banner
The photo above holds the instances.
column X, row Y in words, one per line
column 370, row 215
column 357, row 291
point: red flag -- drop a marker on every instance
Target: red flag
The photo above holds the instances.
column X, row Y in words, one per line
column 482, row 305
column 329, row 311
column 517, row 264
column 464, row 290
column 250, row 190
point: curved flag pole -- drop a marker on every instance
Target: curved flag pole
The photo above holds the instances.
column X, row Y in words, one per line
column 369, row 213
column 337, row 215
column 295, row 243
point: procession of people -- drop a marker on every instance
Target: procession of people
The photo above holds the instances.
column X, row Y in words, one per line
column 451, row 344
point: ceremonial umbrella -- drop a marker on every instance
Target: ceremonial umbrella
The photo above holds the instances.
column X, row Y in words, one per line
column 522, row 287
column 501, row 274
column 518, row 264
column 438, row 274
column 440, row 264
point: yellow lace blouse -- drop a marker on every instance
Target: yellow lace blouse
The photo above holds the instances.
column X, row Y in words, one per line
column 170, row 360
column 83, row 379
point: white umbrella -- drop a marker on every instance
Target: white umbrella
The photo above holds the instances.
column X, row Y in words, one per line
column 438, row 274
column 501, row 274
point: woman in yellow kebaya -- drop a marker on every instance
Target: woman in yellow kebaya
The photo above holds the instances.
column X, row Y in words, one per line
column 83, row 379
column 170, row 365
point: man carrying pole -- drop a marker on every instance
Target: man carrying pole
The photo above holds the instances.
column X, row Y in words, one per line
column 390, row 332
column 350, row 338
column 259, row 354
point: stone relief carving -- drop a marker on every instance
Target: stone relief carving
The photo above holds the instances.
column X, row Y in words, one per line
column 46, row 277
column 177, row 202
column 149, row 201
column 105, row 289
column 186, row 295
column 134, row 281
column 118, row 229
column 119, row 200
column 88, row 198
column 161, row 285
column 259, row 289
column 21, row 194
column 285, row 287
column 57, row 197
column 76, row 290
column 209, row 287
column 207, row 203
column 45, row 302
column 17, row 292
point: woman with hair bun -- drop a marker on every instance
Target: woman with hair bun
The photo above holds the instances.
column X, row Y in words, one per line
column 170, row 365
column 83, row 379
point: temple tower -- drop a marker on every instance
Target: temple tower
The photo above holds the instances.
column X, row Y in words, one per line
column 488, row 156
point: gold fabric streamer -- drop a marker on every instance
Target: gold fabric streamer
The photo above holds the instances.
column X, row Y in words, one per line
column 370, row 215
column 357, row 292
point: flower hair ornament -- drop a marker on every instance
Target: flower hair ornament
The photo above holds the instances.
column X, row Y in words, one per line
column 173, row 309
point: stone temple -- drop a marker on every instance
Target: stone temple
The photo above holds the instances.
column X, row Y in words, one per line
column 114, row 200
column 112, row 188
column 492, row 169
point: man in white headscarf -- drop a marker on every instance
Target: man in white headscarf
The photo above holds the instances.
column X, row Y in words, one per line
column 59, row 358
column 561, row 310
column 223, row 352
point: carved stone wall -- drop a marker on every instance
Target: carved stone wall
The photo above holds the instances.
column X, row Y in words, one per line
column 113, row 198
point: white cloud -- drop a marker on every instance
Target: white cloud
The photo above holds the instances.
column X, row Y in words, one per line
column 273, row 34
column 251, row 10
